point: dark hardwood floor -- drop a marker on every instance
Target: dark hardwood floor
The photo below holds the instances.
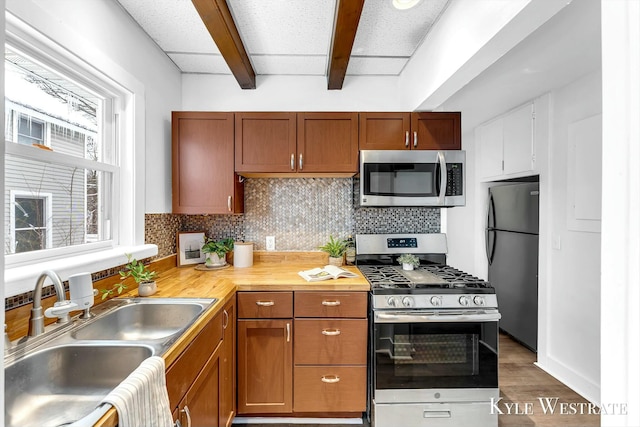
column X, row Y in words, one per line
column 522, row 383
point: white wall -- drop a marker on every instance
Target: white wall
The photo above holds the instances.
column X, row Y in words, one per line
column 569, row 333
column 100, row 32
column 290, row 93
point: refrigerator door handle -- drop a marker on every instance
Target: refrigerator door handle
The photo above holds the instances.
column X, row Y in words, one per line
column 490, row 247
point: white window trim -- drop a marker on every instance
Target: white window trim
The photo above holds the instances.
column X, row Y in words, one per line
column 127, row 223
column 48, row 197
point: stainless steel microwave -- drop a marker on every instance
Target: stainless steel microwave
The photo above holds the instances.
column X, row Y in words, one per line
column 412, row 178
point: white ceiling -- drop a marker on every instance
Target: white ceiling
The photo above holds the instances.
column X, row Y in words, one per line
column 288, row 37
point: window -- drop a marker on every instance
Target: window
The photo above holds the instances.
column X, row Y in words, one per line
column 70, row 161
column 74, row 158
column 30, row 131
column 30, row 220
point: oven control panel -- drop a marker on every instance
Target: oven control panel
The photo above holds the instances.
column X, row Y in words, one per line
column 435, row 301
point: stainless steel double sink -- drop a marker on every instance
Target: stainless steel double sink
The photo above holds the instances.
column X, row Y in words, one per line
column 61, row 376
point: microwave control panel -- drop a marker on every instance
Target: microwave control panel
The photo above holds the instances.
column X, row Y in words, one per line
column 455, row 181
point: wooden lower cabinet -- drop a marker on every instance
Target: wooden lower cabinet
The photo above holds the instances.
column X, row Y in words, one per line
column 201, row 382
column 330, row 388
column 201, row 404
column 313, row 362
column 228, row 388
column 265, row 365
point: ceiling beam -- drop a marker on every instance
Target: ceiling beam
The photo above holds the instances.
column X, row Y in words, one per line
column 344, row 33
column 218, row 19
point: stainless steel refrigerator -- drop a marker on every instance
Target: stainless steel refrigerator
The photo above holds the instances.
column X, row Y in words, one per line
column 512, row 252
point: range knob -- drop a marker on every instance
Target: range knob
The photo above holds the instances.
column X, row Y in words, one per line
column 407, row 301
column 464, row 301
column 436, row 301
column 392, row 302
column 478, row 300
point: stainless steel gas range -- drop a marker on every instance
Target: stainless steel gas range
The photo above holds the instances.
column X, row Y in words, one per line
column 434, row 336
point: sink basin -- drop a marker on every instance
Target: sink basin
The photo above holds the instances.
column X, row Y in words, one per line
column 59, row 385
column 143, row 320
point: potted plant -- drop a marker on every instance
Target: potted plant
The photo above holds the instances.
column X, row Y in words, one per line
column 216, row 251
column 336, row 249
column 144, row 277
column 408, row 261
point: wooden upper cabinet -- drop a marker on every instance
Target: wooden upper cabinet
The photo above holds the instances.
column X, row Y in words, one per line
column 385, row 131
column 284, row 143
column 436, row 131
column 265, row 142
column 327, row 142
column 203, row 179
column 410, row 131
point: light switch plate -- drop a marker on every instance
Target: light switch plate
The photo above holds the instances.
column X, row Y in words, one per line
column 271, row 243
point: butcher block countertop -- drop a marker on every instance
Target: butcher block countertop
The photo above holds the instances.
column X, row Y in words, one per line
column 271, row 271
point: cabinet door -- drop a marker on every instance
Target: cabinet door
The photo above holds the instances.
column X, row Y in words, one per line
column 200, row 406
column 489, row 142
column 228, row 366
column 518, row 140
column 202, row 154
column 436, row 131
column 265, row 142
column 385, row 131
column 327, row 142
column 265, row 366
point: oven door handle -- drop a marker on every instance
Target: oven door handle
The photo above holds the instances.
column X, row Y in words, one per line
column 435, row 318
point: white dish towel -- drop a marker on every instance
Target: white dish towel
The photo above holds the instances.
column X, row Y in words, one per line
column 142, row 399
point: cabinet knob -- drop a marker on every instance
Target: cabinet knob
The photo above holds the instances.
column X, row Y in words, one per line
column 293, row 159
column 229, row 203
column 300, row 161
column 406, row 139
column 415, row 139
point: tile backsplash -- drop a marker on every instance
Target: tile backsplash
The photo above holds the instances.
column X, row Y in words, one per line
column 300, row 212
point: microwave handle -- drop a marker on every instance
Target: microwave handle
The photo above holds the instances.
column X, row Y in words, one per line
column 443, row 177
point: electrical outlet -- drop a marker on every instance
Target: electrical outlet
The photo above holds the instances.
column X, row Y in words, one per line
column 271, row 243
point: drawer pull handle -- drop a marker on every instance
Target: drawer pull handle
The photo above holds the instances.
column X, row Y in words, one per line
column 288, row 332
column 265, row 303
column 331, row 303
column 330, row 379
column 331, row 332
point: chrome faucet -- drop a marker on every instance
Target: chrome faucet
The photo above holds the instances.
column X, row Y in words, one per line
column 36, row 320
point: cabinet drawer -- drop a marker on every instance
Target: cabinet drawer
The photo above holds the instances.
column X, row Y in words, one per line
column 330, row 341
column 331, row 304
column 330, row 389
column 183, row 372
column 265, row 305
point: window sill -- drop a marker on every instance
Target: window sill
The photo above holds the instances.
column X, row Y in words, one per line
column 18, row 280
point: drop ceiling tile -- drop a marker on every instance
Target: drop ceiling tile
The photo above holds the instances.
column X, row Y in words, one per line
column 382, row 66
column 200, row 63
column 174, row 25
column 386, row 31
column 315, row 65
column 284, row 26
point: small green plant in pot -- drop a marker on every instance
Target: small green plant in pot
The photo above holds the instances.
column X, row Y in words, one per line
column 216, row 251
column 336, row 249
column 408, row 261
column 140, row 272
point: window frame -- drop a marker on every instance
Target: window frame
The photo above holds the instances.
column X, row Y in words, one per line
column 106, row 78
